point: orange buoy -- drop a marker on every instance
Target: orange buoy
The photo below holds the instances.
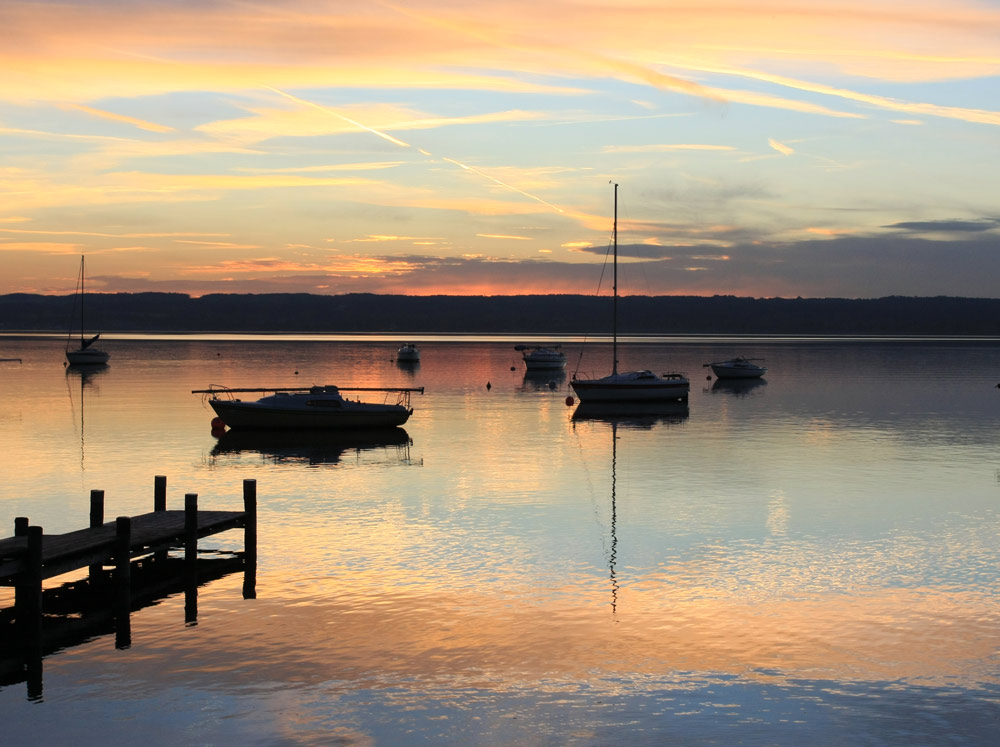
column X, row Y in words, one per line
column 569, row 401
column 217, row 424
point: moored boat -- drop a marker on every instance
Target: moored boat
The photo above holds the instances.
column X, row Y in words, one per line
column 408, row 353
column 85, row 355
column 629, row 386
column 317, row 407
column 542, row 358
column 737, row 368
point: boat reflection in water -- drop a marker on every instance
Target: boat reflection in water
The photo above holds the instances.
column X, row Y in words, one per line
column 737, row 387
column 87, row 373
column 538, row 381
column 633, row 414
column 312, row 447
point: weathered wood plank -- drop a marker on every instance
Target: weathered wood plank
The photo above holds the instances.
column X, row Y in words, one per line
column 62, row 553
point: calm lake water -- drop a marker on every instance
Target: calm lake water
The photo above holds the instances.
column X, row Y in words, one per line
column 814, row 559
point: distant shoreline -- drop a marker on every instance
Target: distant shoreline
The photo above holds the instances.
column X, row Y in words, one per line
column 551, row 316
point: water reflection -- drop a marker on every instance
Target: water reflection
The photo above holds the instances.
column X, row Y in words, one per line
column 788, row 566
column 632, row 414
column 737, row 387
column 409, row 368
column 539, row 381
column 87, row 373
column 88, row 376
column 76, row 612
column 311, row 447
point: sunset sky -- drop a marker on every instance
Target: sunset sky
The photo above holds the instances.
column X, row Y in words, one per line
column 847, row 148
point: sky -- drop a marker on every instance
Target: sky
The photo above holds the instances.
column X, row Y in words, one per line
column 770, row 148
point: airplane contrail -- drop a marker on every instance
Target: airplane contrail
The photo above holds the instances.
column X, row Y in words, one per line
column 402, row 144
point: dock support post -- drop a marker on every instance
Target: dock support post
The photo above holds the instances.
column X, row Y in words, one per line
column 28, row 612
column 96, row 520
column 96, row 508
column 123, row 582
column 20, row 526
column 160, row 504
column 191, row 558
column 250, row 539
column 160, row 493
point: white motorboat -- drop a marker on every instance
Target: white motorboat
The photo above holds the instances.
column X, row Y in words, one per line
column 408, row 353
column 317, row 407
column 737, row 368
column 542, row 358
column 85, row 355
column 631, row 386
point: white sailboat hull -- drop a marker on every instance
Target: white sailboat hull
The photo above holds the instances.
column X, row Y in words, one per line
column 640, row 386
column 737, row 368
column 408, row 354
column 87, row 357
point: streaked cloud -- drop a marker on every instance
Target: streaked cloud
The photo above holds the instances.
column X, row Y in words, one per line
column 948, row 226
column 662, row 148
column 780, row 147
column 135, row 122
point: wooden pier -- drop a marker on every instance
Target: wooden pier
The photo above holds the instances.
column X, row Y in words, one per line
column 30, row 557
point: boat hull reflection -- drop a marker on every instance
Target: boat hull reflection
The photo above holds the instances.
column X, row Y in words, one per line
column 739, row 387
column 639, row 414
column 308, row 446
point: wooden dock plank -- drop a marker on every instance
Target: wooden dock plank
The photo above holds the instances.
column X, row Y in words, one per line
column 62, row 553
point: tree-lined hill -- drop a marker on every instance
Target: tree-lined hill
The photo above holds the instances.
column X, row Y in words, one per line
column 552, row 314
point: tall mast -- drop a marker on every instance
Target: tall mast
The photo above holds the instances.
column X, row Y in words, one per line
column 82, row 276
column 614, row 306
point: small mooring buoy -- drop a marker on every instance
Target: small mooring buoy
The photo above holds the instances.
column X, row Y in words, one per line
column 569, row 401
column 513, row 368
column 489, row 385
column 552, row 384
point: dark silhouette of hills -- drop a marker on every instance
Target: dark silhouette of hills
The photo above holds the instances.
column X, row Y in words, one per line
column 552, row 314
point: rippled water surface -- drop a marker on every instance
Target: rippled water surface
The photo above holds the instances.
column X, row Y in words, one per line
column 812, row 558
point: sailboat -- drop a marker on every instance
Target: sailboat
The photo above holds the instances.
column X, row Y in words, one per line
column 628, row 386
column 85, row 355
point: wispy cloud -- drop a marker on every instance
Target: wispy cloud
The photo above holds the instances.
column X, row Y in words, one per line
column 664, row 148
column 780, row 147
column 140, row 123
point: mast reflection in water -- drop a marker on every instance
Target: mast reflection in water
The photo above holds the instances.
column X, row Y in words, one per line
column 637, row 415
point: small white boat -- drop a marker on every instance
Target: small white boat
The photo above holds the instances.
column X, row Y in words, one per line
column 85, row 355
column 318, row 407
column 408, row 353
column 737, row 368
column 542, row 358
column 630, row 386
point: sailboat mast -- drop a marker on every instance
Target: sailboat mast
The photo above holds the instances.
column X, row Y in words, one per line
column 82, row 276
column 614, row 306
